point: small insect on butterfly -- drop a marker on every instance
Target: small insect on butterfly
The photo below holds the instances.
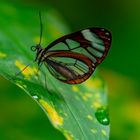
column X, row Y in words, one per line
column 73, row 58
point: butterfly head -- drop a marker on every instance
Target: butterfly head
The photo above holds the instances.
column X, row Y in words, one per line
column 37, row 49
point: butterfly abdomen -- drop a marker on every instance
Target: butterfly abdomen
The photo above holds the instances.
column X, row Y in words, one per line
column 65, row 72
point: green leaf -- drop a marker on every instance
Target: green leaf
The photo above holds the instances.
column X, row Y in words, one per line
column 78, row 111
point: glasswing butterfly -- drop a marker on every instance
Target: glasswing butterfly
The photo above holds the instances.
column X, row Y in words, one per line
column 73, row 58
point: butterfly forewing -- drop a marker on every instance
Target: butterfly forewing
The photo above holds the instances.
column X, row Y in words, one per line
column 73, row 58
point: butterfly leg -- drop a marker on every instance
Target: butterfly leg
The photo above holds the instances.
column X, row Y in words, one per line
column 40, row 79
column 37, row 74
column 45, row 83
column 39, row 69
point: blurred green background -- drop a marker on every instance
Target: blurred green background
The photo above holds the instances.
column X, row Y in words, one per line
column 21, row 117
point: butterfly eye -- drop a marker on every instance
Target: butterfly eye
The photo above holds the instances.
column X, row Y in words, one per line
column 33, row 48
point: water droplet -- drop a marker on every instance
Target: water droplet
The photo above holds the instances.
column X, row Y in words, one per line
column 35, row 97
column 102, row 115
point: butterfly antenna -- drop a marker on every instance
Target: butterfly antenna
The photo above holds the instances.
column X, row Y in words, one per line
column 23, row 69
column 41, row 27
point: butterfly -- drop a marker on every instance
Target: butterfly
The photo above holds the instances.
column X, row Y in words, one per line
column 73, row 58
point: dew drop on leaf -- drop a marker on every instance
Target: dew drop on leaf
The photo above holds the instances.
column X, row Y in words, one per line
column 102, row 115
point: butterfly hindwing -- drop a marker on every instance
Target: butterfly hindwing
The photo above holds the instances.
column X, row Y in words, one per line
column 69, row 67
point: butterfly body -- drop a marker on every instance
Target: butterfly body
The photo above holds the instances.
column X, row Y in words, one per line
column 73, row 58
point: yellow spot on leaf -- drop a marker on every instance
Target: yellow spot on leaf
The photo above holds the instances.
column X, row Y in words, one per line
column 3, row 55
column 90, row 117
column 28, row 71
column 103, row 132
column 53, row 115
column 86, row 96
column 97, row 101
column 97, row 95
column 75, row 88
column 94, row 131
column 68, row 135
column 65, row 114
column 96, row 104
column 93, row 83
column 89, row 95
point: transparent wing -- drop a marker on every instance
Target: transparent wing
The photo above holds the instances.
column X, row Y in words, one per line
column 69, row 67
column 73, row 58
column 92, row 42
